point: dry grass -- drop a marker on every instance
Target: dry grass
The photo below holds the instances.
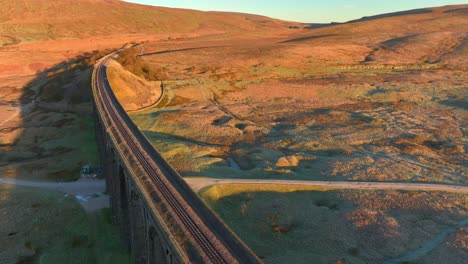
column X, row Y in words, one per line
column 132, row 91
column 43, row 19
column 407, row 141
column 339, row 106
column 374, row 100
column 215, row 193
column 461, row 239
column 261, row 103
column 304, row 225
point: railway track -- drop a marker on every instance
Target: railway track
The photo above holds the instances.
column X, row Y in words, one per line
column 211, row 248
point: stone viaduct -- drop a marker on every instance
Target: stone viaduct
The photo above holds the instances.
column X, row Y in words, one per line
column 161, row 219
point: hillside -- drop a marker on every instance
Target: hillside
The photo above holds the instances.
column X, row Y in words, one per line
column 380, row 99
column 26, row 20
column 432, row 35
column 291, row 99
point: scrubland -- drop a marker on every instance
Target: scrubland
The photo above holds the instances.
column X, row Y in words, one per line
column 379, row 99
column 328, row 106
column 47, row 50
column 309, row 225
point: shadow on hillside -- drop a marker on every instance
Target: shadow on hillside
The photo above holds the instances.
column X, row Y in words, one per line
column 178, row 50
column 53, row 139
column 152, row 135
column 308, row 38
column 368, row 18
column 457, row 10
column 461, row 103
column 394, row 14
column 55, row 135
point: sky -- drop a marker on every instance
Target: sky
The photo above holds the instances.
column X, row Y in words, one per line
column 309, row 11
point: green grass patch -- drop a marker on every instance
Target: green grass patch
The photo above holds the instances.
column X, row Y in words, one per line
column 40, row 226
column 299, row 224
column 66, row 139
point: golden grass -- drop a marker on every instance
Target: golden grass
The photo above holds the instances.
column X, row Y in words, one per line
column 51, row 20
column 132, row 91
column 337, row 116
column 214, row 193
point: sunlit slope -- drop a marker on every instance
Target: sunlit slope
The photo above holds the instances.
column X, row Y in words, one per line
column 430, row 35
column 48, row 19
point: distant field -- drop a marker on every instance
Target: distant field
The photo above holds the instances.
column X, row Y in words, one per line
column 284, row 224
column 48, row 227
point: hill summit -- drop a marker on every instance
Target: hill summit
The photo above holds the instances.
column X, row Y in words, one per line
column 29, row 20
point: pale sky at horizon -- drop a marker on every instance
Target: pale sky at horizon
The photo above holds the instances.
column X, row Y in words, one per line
column 303, row 10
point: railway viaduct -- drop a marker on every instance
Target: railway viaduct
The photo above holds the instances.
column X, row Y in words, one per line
column 161, row 219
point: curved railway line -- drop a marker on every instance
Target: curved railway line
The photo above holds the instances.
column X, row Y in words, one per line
column 188, row 214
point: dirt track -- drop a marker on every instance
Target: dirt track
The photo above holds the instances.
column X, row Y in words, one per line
column 199, row 183
column 413, row 254
column 427, row 246
column 89, row 192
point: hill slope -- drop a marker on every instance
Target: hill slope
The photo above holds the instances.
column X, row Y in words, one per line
column 429, row 35
column 25, row 20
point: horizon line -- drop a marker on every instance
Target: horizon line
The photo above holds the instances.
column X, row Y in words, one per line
column 296, row 21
